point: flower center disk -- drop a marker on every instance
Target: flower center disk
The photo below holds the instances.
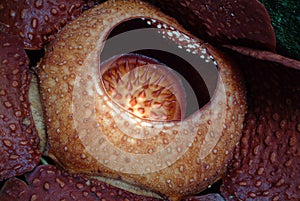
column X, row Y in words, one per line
column 143, row 86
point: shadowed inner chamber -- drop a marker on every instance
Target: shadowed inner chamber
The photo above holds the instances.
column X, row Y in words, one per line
column 155, row 71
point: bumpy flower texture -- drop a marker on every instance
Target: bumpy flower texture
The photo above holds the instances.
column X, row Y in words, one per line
column 117, row 129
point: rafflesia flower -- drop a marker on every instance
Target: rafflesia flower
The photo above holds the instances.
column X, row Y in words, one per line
column 136, row 105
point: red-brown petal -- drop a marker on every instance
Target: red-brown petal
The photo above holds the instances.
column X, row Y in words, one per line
column 91, row 3
column 266, row 163
column 36, row 21
column 46, row 182
column 14, row 189
column 242, row 22
column 208, row 197
column 266, row 55
column 18, row 136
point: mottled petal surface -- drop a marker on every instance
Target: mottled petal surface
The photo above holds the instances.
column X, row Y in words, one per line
column 240, row 22
column 208, row 197
column 36, row 21
column 18, row 136
column 266, row 163
column 47, row 183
